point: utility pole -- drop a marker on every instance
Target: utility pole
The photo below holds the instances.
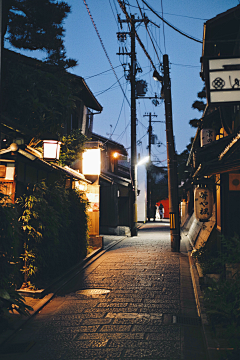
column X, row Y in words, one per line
column 1, row 47
column 149, row 193
column 133, row 128
column 133, row 71
column 172, row 161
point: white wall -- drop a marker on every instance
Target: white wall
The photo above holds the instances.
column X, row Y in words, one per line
column 142, row 198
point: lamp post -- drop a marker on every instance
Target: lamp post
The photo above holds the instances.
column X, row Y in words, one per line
column 171, row 156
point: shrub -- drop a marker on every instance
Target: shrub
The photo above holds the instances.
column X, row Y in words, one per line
column 54, row 226
column 222, row 298
column 9, row 261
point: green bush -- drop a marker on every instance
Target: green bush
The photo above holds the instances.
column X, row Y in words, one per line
column 222, row 298
column 54, row 226
column 9, row 261
column 214, row 261
column 42, row 235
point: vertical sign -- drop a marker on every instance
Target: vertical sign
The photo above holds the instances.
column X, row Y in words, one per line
column 203, row 203
column 207, row 136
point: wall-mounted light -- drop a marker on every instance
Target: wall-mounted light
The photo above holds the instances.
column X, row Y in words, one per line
column 51, row 150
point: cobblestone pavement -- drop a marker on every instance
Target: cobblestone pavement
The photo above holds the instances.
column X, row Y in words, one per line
column 147, row 311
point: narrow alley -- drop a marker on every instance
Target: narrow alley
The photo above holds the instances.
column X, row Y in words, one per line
column 134, row 302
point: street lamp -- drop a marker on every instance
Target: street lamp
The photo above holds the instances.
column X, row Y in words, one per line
column 157, row 77
column 143, row 161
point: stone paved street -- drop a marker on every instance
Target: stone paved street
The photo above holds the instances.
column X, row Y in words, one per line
column 148, row 312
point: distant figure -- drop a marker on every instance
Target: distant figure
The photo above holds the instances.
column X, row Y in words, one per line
column 154, row 212
column 161, row 211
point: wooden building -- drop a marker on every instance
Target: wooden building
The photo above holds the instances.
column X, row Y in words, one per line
column 214, row 160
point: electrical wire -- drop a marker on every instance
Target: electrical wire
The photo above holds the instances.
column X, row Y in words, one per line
column 148, row 32
column 122, row 6
column 103, row 72
column 157, row 45
column 95, row 27
column 119, row 113
column 110, row 87
column 173, row 27
column 113, row 14
column 123, row 132
column 190, row 17
column 185, row 65
column 164, row 38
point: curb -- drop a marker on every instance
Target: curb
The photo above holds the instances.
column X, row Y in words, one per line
column 88, row 260
column 211, row 344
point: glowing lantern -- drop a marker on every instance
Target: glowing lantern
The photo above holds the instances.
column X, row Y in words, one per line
column 91, row 164
column 51, row 149
column 203, row 203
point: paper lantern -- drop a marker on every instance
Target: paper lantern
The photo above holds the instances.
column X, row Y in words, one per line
column 203, row 203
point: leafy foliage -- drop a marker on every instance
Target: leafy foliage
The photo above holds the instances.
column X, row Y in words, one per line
column 11, row 300
column 9, row 244
column 72, row 147
column 9, row 260
column 213, row 261
column 37, row 25
column 198, row 105
column 42, row 235
column 54, row 224
column 222, row 301
column 222, row 298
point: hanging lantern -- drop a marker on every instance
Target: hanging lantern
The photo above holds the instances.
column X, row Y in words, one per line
column 203, row 203
column 207, row 136
column 51, row 150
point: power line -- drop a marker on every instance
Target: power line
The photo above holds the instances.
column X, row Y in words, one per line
column 185, row 65
column 164, row 38
column 122, row 6
column 103, row 72
column 95, row 27
column 173, row 27
column 113, row 13
column 123, row 132
column 156, row 44
column 148, row 32
column 186, row 16
column 119, row 114
column 110, row 87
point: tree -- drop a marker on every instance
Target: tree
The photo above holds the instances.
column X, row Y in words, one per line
column 37, row 96
column 72, row 147
column 199, row 105
column 37, row 25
